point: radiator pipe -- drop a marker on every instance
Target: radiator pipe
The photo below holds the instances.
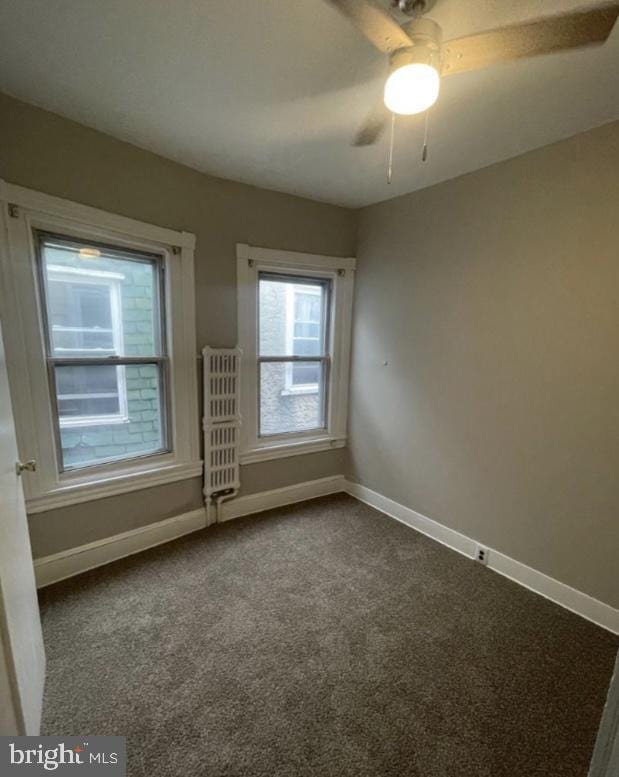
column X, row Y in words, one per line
column 218, row 498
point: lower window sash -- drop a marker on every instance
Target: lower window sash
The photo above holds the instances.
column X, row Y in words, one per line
column 137, row 424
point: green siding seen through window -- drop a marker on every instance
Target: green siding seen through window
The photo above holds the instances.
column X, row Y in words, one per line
column 104, row 303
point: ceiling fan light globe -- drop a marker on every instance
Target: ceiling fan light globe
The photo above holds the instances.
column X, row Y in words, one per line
column 412, row 88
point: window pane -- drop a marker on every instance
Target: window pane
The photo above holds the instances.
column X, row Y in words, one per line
column 305, row 346
column 75, row 304
column 302, row 329
column 86, row 380
column 100, row 303
column 109, row 413
column 88, row 391
column 306, row 374
column 282, row 409
column 291, row 316
column 74, row 342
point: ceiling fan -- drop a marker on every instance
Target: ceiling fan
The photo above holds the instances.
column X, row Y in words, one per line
column 418, row 57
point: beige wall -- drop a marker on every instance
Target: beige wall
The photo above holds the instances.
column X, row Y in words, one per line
column 494, row 298
column 46, row 152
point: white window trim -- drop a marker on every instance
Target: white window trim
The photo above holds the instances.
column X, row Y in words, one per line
column 112, row 281
column 250, row 262
column 22, row 211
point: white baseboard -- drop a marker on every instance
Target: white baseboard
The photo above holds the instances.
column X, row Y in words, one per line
column 278, row 497
column 59, row 566
column 586, row 606
column 51, row 569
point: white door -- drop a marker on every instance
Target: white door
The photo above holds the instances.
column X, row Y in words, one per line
column 22, row 659
column 605, row 762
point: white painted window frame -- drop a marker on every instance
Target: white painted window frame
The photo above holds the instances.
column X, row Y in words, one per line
column 112, row 281
column 22, row 211
column 340, row 271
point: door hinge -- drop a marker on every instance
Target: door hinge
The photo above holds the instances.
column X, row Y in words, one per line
column 13, row 210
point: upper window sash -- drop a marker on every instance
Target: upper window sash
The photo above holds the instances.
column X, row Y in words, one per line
column 112, row 279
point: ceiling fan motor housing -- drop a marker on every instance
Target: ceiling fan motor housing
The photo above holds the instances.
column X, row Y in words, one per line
column 413, row 7
column 426, row 37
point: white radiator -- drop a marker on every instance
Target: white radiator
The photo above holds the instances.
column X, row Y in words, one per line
column 221, row 423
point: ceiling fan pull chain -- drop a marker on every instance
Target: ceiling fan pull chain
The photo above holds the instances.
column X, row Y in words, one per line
column 424, row 152
column 390, row 169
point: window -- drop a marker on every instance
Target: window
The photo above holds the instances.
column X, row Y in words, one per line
column 102, row 349
column 293, row 353
column 106, row 353
column 294, row 329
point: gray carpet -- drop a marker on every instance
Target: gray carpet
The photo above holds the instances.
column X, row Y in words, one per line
column 322, row 639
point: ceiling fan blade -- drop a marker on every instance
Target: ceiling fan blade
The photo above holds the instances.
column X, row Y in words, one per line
column 373, row 126
column 541, row 36
column 376, row 24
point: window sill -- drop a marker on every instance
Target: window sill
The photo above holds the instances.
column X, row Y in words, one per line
column 112, row 484
column 299, row 391
column 284, row 450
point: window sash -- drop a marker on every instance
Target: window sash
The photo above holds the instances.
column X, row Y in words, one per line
column 318, row 358
column 323, row 287
column 99, row 277
column 163, row 373
column 79, row 361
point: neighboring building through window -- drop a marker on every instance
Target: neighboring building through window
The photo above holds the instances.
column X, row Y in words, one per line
column 102, row 350
column 304, row 319
column 293, row 352
column 106, row 349
column 85, row 319
column 294, row 330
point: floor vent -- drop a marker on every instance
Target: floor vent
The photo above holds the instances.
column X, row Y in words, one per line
column 221, row 423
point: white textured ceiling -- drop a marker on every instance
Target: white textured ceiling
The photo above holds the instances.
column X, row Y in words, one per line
column 270, row 92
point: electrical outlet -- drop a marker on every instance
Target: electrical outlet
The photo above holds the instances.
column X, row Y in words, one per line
column 481, row 554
